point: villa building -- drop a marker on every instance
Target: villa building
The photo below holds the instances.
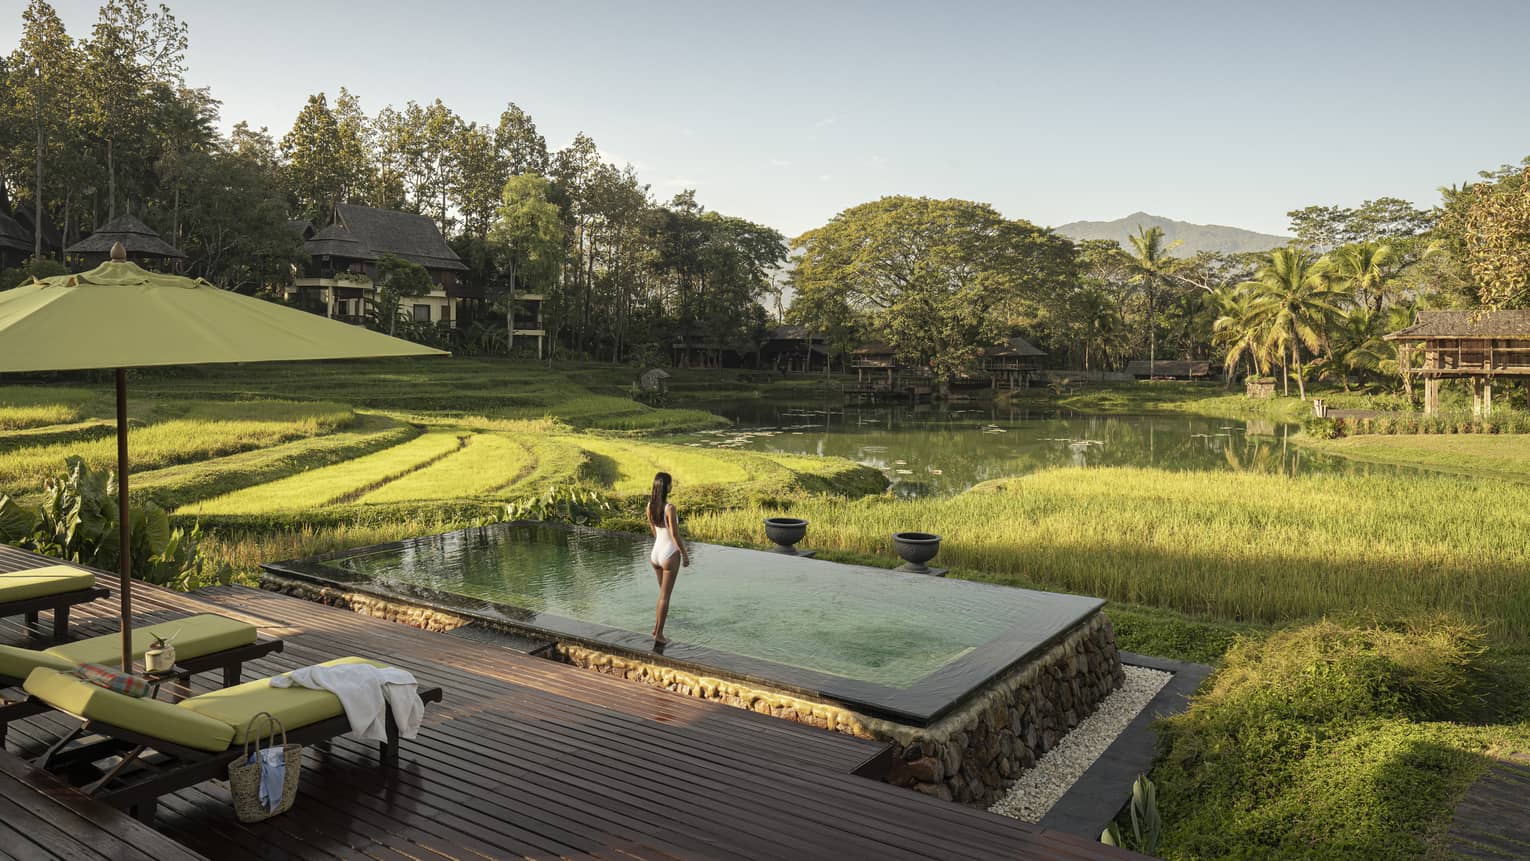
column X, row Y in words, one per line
column 342, row 265
column 795, row 349
column 15, row 242
column 1474, row 346
column 1009, row 364
column 1169, row 369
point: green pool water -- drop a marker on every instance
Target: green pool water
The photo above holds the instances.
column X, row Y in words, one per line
column 869, row 625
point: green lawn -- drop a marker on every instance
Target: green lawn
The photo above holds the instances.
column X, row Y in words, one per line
column 1487, row 455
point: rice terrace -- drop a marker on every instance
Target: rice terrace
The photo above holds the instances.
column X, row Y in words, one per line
column 388, row 474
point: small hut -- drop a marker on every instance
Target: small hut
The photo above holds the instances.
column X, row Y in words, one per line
column 1009, row 364
column 1473, row 346
column 143, row 245
column 794, row 349
column 1169, row 369
column 1259, row 388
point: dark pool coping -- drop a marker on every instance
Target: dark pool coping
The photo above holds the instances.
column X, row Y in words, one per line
column 920, row 704
column 1100, row 794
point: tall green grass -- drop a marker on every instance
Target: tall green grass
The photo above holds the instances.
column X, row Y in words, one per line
column 195, row 432
column 176, row 486
column 37, row 406
column 490, row 465
column 1239, row 546
column 330, row 485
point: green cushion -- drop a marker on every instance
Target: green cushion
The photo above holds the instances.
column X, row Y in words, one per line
column 194, row 636
column 148, row 717
column 19, row 663
column 38, row 582
column 295, row 707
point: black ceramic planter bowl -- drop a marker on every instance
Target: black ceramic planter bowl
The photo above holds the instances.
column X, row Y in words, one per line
column 916, row 548
column 785, row 532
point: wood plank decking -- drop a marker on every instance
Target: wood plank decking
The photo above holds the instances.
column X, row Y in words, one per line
column 1492, row 820
column 530, row 758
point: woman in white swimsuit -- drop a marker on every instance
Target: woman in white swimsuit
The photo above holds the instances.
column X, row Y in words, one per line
column 668, row 553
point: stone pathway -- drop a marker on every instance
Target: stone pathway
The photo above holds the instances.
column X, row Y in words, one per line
column 1040, row 787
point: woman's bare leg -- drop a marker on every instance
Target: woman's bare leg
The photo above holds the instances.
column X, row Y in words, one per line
column 666, row 586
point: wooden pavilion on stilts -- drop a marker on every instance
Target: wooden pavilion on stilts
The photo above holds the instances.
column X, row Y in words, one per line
column 1476, row 346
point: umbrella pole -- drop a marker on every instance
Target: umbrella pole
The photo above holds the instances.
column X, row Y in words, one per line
column 124, row 526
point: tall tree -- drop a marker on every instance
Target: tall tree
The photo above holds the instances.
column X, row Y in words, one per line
column 936, row 279
column 312, row 162
column 397, row 280
column 1296, row 305
column 1364, row 269
column 518, row 144
column 130, row 48
column 1151, row 265
column 43, row 71
column 529, row 231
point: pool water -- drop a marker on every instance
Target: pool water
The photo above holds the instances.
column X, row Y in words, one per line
column 873, row 626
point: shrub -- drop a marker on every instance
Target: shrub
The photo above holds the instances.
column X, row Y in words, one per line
column 1308, row 744
column 78, row 521
column 1323, row 428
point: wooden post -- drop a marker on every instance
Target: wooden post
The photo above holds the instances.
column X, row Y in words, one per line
column 1431, row 396
column 1487, row 397
column 1475, row 384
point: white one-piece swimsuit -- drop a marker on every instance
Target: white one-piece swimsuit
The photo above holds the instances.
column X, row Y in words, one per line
column 664, row 546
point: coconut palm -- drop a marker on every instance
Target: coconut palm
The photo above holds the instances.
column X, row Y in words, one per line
column 1296, row 304
column 1240, row 330
column 1363, row 269
column 1151, row 267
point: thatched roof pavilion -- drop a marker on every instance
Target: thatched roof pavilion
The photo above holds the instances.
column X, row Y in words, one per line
column 141, row 242
column 1475, row 346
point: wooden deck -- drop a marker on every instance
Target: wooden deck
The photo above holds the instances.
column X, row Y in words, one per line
column 1492, row 820
column 531, row 758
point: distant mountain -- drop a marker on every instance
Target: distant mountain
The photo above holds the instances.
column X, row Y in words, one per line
column 1196, row 237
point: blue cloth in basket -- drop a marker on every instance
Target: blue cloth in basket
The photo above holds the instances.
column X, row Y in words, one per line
column 273, row 773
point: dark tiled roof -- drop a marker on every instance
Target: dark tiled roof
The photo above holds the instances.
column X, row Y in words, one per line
column 1478, row 323
column 791, row 333
column 875, row 348
column 13, row 235
column 336, row 241
column 301, row 227
column 402, row 234
column 1170, row 368
column 1016, row 346
column 134, row 235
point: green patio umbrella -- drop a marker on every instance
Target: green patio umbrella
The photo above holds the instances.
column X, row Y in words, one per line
column 120, row 316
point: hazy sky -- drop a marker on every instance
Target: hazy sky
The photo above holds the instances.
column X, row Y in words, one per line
column 785, row 113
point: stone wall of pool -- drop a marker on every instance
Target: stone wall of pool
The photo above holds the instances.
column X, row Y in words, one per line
column 967, row 755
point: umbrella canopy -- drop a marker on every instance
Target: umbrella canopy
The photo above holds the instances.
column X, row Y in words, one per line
column 121, row 316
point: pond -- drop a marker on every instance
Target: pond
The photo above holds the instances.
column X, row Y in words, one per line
column 941, row 449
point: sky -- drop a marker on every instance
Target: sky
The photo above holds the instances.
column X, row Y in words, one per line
column 1225, row 112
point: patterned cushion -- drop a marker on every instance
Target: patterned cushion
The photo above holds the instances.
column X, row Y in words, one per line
column 113, row 680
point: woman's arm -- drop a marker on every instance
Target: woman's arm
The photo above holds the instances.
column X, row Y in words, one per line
column 674, row 532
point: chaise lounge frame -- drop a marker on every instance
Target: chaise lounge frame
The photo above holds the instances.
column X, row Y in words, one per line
column 59, row 604
column 230, row 661
column 149, row 767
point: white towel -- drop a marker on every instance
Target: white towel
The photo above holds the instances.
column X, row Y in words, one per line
column 362, row 689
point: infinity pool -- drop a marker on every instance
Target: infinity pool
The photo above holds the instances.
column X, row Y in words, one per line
column 905, row 645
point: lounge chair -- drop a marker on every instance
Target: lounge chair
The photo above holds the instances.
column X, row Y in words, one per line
column 55, row 587
column 202, row 643
column 155, row 748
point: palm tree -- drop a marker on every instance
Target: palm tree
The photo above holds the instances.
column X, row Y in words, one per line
column 1363, row 269
column 1239, row 329
column 1296, row 303
column 1151, row 266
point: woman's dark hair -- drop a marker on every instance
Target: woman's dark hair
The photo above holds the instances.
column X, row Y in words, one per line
column 657, row 498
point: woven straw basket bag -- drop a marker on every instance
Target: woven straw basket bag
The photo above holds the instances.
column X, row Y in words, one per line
column 244, row 776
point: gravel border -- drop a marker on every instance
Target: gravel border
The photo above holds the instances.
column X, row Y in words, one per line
column 1041, row 786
